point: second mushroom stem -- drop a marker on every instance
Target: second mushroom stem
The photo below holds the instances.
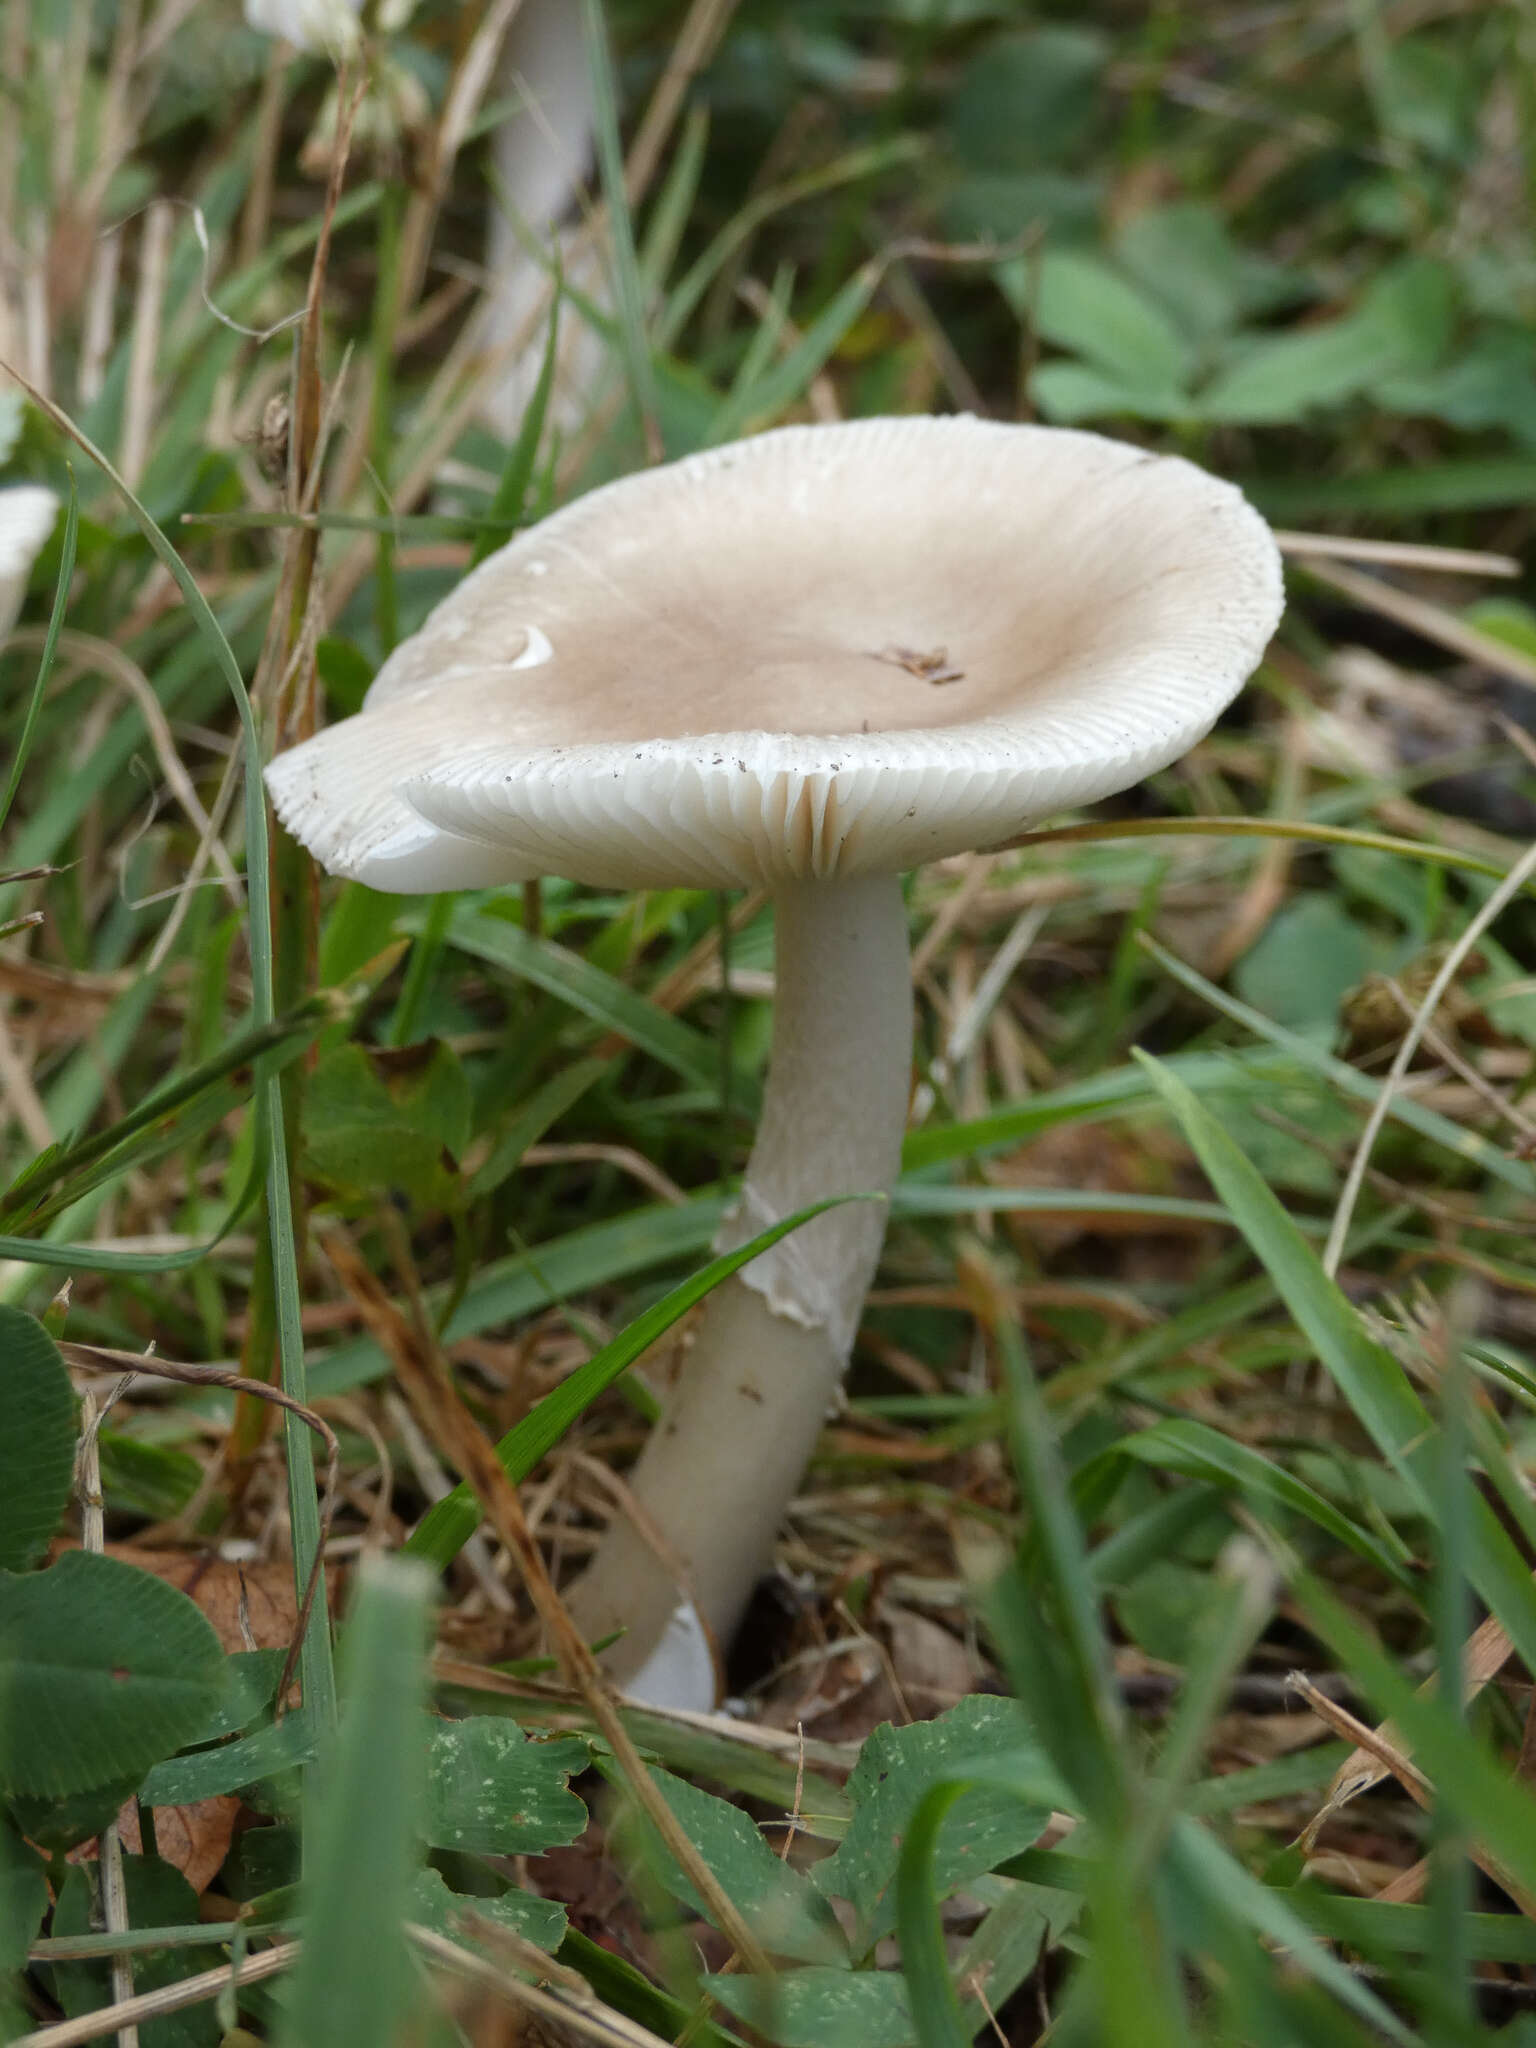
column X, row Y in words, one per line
column 772, row 1344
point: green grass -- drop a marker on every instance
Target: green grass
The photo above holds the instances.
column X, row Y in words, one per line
column 1116, row 1439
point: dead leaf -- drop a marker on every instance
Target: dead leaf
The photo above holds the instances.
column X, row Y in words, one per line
column 933, row 1668
column 194, row 1838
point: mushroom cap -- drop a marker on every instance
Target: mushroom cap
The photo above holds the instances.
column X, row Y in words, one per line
column 824, row 651
column 27, row 513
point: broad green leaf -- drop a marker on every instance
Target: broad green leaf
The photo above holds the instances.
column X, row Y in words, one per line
column 785, row 1911
column 103, row 1671
column 432, row 1904
column 821, row 2008
column 1402, row 323
column 1027, row 99
column 1307, row 959
column 158, row 1896
column 253, row 1676
column 37, row 1439
column 496, row 1792
column 375, row 1123
column 987, row 206
column 1162, row 1607
column 1082, row 304
column 702, row 1752
column 23, row 1897
column 895, row 1769
column 1066, row 392
column 1184, row 257
column 63, row 1819
column 1427, row 94
column 362, row 1842
column 1489, row 384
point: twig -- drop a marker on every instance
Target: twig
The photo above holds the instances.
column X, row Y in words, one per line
column 835, row 1758
column 1476, row 1080
column 1429, row 620
column 1402, row 554
column 466, row 1446
column 154, row 2005
column 624, row 1157
column 696, row 43
column 580, row 2011
column 144, row 344
column 564, row 1997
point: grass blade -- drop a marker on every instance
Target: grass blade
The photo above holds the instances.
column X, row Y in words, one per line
column 318, row 1675
column 925, row 1964
column 1366, row 1373
column 447, row 1527
column 363, row 1839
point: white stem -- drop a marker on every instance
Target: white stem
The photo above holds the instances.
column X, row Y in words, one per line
column 542, row 155
column 772, row 1345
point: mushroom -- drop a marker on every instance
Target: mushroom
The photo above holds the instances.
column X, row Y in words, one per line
column 807, row 661
column 27, row 513
column 542, row 155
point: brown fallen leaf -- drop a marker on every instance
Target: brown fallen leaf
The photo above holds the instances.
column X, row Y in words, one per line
column 193, row 1839
column 933, row 1668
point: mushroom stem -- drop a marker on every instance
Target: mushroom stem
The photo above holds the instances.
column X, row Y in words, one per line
column 772, row 1344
